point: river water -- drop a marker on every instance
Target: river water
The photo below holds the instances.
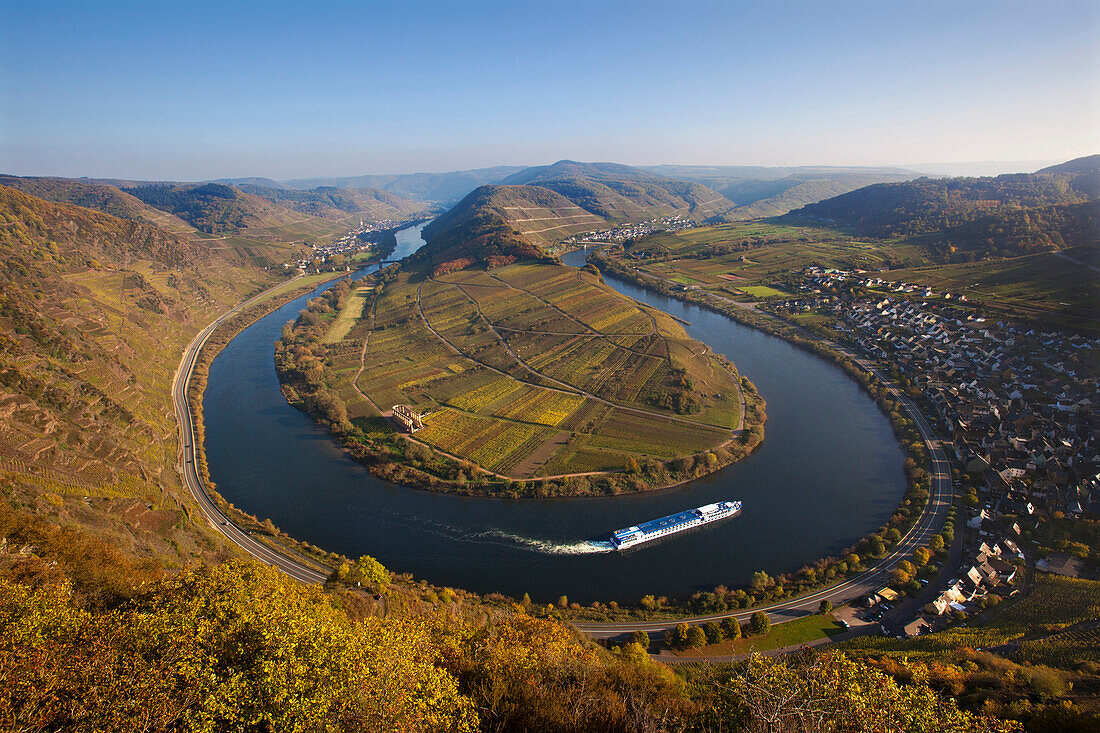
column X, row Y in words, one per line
column 828, row 472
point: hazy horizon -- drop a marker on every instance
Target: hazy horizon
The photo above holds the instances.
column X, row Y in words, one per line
column 205, row 91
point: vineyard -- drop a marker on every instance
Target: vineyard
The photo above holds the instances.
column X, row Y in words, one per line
column 504, row 361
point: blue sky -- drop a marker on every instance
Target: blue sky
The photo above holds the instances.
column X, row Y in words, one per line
column 198, row 90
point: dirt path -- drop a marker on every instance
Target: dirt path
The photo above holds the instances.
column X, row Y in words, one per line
column 562, row 386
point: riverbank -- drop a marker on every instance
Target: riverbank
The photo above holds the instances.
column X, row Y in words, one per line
column 311, row 558
column 313, row 372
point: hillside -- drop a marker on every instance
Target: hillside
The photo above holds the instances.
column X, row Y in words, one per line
column 94, row 313
column 929, row 205
column 99, row 196
column 759, row 191
column 621, row 194
column 209, row 207
column 480, row 228
column 339, row 203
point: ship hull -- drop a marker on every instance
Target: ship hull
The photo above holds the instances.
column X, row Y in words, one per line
column 655, row 529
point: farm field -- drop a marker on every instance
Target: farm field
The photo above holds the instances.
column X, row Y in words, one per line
column 1041, row 285
column 534, row 369
column 749, row 258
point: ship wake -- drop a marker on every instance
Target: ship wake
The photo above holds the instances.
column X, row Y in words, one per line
column 552, row 547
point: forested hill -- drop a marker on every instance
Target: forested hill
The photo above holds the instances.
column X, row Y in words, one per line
column 934, row 205
column 622, row 194
column 338, row 203
column 209, row 207
column 100, row 196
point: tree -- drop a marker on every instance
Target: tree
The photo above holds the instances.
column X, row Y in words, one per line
column 922, row 555
column 640, row 638
column 821, row 693
column 714, row 633
column 677, row 636
column 825, row 606
column 760, row 581
column 371, row 572
column 936, row 544
column 648, row 602
column 696, row 638
column 731, row 628
column 759, row 623
column 563, row 601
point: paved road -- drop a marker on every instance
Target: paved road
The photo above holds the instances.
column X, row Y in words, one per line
column 188, row 459
column 928, row 524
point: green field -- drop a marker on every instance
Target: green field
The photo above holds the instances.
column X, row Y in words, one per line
column 533, row 369
column 348, row 315
column 1044, row 286
column 790, row 633
column 764, row 291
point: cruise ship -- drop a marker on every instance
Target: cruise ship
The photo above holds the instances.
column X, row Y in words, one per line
column 654, row 529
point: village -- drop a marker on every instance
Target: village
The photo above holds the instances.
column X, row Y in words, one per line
column 1015, row 408
column 360, row 240
column 632, row 231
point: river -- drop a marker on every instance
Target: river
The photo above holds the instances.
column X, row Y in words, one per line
column 829, row 471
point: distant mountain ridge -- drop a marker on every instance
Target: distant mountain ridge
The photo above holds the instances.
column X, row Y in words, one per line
column 761, row 191
column 1004, row 215
column 329, row 202
column 443, row 188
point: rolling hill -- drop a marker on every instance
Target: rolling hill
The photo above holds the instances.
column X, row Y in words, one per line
column 104, row 197
column 333, row 203
column 930, row 205
column 622, row 194
column 486, row 227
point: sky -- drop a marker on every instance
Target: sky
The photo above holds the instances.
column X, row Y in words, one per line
column 201, row 90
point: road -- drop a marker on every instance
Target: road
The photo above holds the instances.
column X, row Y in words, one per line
column 927, row 525
column 188, row 454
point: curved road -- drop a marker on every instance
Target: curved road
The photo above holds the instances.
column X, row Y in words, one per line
column 928, row 523
column 188, row 459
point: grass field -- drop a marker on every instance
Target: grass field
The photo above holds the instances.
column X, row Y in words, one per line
column 764, row 291
column 349, row 314
column 306, row 280
column 515, row 362
column 791, row 633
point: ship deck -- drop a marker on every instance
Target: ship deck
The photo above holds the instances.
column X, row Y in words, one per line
column 655, row 525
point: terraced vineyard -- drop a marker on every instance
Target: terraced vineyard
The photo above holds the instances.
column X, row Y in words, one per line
column 535, row 370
